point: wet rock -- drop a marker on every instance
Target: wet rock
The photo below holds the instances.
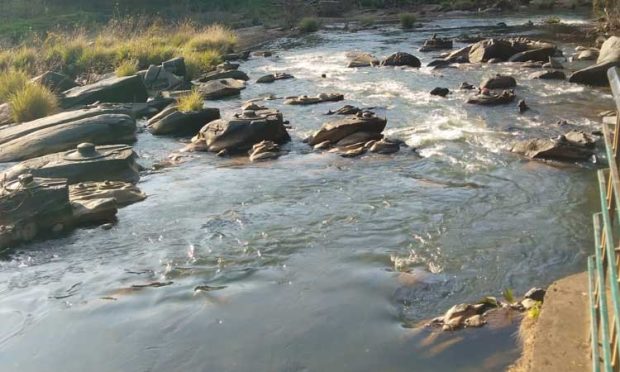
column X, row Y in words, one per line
column 439, row 63
column 536, row 55
column 222, row 74
column 273, row 77
column 590, row 54
column 227, row 66
column 549, row 75
column 475, row 321
column 536, row 294
column 345, row 110
column 532, row 65
column 95, row 211
column 243, row 131
column 264, row 150
column 495, row 60
column 115, row 89
column 442, row 92
column 236, row 56
column 573, row 146
column 60, row 133
column 484, row 50
column 456, row 316
column 171, row 121
column 262, row 53
column 459, row 56
column 522, row 106
column 401, row 59
column 216, row 89
column 492, row 99
column 597, row 75
column 54, row 81
column 385, row 146
column 335, row 131
column 466, row 86
column 86, row 163
column 305, row 100
column 553, row 64
column 123, row 193
column 436, row 43
column 361, row 59
column 357, row 138
column 499, row 82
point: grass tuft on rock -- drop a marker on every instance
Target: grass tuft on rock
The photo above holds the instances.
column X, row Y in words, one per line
column 32, row 102
column 309, row 24
column 126, row 68
column 407, row 20
column 11, row 82
column 190, row 102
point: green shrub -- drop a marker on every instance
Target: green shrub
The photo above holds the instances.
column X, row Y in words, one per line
column 309, row 24
column 127, row 68
column 34, row 101
column 25, row 59
column 534, row 311
column 11, row 82
column 199, row 62
column 95, row 59
column 190, row 102
column 213, row 37
column 407, row 20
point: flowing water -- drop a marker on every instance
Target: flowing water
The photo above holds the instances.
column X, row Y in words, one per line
column 317, row 262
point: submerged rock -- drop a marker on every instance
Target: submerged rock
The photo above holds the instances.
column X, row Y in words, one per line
column 549, row 75
column 171, row 121
column 492, row 99
column 242, row 132
column 305, row 100
column 401, row 59
column 573, row 146
column 436, row 43
column 115, row 89
column 85, row 163
column 273, row 77
column 264, row 150
column 60, row 133
column 222, row 74
column 442, row 92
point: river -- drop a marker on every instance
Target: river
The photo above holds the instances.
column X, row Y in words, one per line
column 317, row 262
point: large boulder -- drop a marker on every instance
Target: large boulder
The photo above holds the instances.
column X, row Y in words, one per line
column 115, row 89
column 485, row 50
column 401, row 59
column 171, row 121
column 243, row 131
column 540, row 54
column 499, row 82
column 460, row 55
column 216, row 89
column 337, row 130
column 573, row 146
column 101, row 130
column 84, row 163
column 55, row 81
column 609, row 57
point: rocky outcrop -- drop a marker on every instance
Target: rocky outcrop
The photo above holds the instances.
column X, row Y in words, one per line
column 609, row 57
column 573, row 146
column 217, row 89
column 171, row 121
column 82, row 164
column 361, row 59
column 305, row 100
column 490, row 99
column 273, row 77
column 499, row 82
column 157, row 78
column 521, row 49
column 401, row 59
column 115, row 89
column 48, row 135
column 264, row 150
column 336, row 132
column 242, row 132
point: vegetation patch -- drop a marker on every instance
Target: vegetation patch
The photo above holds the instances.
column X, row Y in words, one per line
column 407, row 20
column 190, row 102
column 127, row 68
column 309, row 24
column 32, row 102
column 11, row 82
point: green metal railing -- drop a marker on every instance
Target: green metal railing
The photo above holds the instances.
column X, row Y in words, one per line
column 603, row 266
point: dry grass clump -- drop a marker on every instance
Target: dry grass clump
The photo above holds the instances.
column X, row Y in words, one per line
column 126, row 68
column 32, row 102
column 137, row 39
column 11, row 82
column 190, row 102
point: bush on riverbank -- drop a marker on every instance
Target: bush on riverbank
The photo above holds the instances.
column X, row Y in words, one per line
column 32, row 102
column 11, row 82
column 309, row 24
column 190, row 102
column 407, row 20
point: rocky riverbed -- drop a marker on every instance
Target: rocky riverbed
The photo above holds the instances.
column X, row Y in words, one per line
column 317, row 219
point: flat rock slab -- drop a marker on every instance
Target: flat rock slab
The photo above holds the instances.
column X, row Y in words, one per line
column 558, row 340
column 127, row 89
column 100, row 130
column 171, row 121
